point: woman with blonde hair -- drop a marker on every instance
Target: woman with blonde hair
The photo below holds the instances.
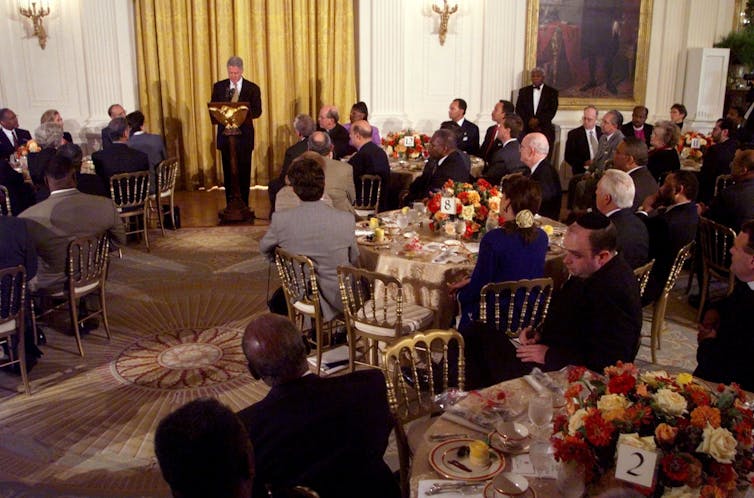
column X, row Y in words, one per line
column 53, row 116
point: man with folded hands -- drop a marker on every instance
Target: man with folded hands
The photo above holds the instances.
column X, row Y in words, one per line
column 594, row 320
column 329, row 434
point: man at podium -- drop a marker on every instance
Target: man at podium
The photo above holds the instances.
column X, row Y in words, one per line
column 238, row 89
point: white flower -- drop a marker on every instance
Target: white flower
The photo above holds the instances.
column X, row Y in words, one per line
column 718, row 443
column 633, row 440
column 467, row 213
column 670, row 402
column 682, row 492
column 493, row 203
column 576, row 421
column 652, row 378
column 612, row 402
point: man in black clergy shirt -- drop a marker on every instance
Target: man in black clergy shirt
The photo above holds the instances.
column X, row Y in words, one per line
column 238, row 89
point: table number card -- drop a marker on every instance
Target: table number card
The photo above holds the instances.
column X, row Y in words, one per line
column 448, row 205
column 695, row 143
column 408, row 140
column 635, row 465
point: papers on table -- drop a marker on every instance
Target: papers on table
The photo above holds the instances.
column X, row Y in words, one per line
column 333, row 361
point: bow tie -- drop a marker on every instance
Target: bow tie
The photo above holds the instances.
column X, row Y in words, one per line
column 537, row 87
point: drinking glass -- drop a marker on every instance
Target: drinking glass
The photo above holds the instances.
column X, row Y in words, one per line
column 460, row 228
column 540, row 411
column 402, row 221
column 539, row 456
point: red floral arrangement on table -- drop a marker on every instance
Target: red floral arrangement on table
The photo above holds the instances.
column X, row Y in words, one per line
column 693, row 144
column 29, row 146
column 474, row 203
column 703, row 436
column 395, row 144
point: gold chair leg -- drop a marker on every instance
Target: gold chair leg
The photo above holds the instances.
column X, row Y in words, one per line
column 172, row 210
column 146, row 230
column 73, row 308
column 318, row 334
column 103, row 308
column 21, row 348
column 703, row 291
column 351, row 349
column 160, row 215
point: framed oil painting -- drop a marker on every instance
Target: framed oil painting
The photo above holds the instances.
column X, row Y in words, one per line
column 592, row 51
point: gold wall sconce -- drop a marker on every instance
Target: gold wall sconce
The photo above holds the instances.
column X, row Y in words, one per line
column 444, row 14
column 36, row 16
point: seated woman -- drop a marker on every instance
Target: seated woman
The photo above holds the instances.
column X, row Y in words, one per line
column 663, row 156
column 359, row 112
column 514, row 251
column 53, row 116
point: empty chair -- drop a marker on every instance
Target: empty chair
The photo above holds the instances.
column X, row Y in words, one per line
column 130, row 192
column 12, row 299
column 715, row 241
column 368, row 191
column 512, row 314
column 375, row 312
column 166, row 174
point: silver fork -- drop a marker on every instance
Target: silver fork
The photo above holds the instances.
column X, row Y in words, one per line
column 448, row 487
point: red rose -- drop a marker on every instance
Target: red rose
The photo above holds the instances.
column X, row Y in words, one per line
column 483, row 184
column 599, row 431
column 482, row 212
column 621, row 384
column 464, row 198
column 675, row 467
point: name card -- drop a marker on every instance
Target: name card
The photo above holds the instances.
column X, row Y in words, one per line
column 408, row 140
column 695, row 143
column 448, row 205
column 635, row 465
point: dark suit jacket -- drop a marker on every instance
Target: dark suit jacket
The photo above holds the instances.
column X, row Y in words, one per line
column 278, row 183
column 552, row 192
column 734, row 205
column 249, row 93
column 370, row 159
column 644, row 185
column 633, row 237
column 490, row 142
column 669, row 231
column 548, row 106
column 21, row 193
column 340, row 141
column 661, row 162
column 505, row 160
column 118, row 158
column 17, row 247
column 469, row 141
column 628, row 131
column 325, row 433
column 434, row 176
column 577, row 148
column 716, row 162
column 106, row 140
column 6, row 146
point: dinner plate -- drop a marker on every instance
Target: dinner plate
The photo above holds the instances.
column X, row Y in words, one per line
column 433, row 246
column 490, row 492
column 451, row 242
column 443, row 453
column 364, row 240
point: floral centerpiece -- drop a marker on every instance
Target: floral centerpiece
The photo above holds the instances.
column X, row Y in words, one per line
column 29, row 146
column 405, row 144
column 475, row 204
column 693, row 144
column 703, row 436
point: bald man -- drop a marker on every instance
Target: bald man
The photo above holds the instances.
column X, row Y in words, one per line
column 370, row 159
column 329, row 434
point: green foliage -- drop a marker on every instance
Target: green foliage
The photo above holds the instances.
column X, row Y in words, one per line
column 741, row 45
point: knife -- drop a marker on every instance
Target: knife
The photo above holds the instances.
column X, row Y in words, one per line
column 459, row 465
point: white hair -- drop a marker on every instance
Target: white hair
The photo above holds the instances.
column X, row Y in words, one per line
column 538, row 142
column 620, row 186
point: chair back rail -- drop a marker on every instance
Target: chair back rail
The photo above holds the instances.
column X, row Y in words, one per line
column 368, row 193
column 12, row 325
column 130, row 190
column 371, row 297
column 722, row 182
column 527, row 304
column 715, row 240
column 5, row 208
column 642, row 276
column 166, row 173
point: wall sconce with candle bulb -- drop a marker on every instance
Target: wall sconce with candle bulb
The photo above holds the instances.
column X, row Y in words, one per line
column 36, row 15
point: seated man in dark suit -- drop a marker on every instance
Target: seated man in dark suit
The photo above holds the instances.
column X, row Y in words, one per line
column 671, row 219
column 11, row 136
column 328, row 434
column 735, row 204
column 204, row 450
column 507, row 159
column 582, row 142
column 20, row 192
column 119, row 157
column 717, row 159
column 638, row 127
column 328, row 121
column 149, row 143
column 469, row 139
column 114, row 111
column 594, row 320
column 86, row 183
column 491, row 144
column 303, row 125
column 615, row 194
column 370, row 159
column 445, row 163
column 631, row 157
column 534, row 150
column 726, row 344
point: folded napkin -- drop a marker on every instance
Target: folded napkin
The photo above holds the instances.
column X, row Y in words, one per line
column 459, row 418
column 361, row 232
column 534, row 383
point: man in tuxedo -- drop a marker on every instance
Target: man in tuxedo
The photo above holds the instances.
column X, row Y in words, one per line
column 119, row 157
column 672, row 219
column 339, row 184
column 316, row 230
column 638, row 126
column 537, row 105
column 469, row 137
column 304, row 126
column 631, row 156
column 506, row 159
column 534, row 150
column 369, row 159
column 238, row 89
column 735, row 204
column 491, row 144
column 445, row 163
column 20, row 192
column 328, row 434
column 717, row 158
column 12, row 137
column 149, row 143
column 615, row 196
column 204, row 450
column 114, row 111
column 328, row 121
column 582, row 142
column 65, row 215
column 726, row 344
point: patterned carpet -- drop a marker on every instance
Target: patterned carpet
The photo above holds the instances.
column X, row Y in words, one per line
column 177, row 316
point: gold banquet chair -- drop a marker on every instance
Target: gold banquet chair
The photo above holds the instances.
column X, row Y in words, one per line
column 533, row 296
column 375, row 311
column 368, row 190
column 416, row 368
column 5, row 209
column 165, row 174
column 715, row 240
column 12, row 300
column 721, row 183
column 661, row 304
column 299, row 280
column 642, row 276
column 130, row 193
column 86, row 272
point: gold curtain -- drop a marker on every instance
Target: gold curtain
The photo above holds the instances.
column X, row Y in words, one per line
column 301, row 53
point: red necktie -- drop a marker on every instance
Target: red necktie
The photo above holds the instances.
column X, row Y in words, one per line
column 489, row 145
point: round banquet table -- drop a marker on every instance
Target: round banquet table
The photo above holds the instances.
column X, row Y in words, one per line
column 426, row 282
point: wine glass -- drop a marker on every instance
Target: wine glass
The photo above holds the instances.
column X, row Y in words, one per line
column 540, row 411
column 460, row 228
column 402, row 221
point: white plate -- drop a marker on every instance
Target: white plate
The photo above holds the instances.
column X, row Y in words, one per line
column 451, row 242
column 489, row 492
column 443, row 453
column 433, row 246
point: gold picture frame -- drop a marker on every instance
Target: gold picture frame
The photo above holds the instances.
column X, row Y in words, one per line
column 614, row 58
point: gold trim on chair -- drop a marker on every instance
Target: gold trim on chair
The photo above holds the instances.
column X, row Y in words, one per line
column 369, row 188
column 642, row 276
column 130, row 193
column 715, row 240
column 12, row 324
column 5, row 208
column 165, row 175
column 535, row 303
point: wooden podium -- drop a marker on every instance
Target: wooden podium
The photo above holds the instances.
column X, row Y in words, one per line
column 232, row 115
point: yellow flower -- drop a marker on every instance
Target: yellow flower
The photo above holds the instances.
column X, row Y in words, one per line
column 467, row 213
column 547, row 229
column 684, row 378
column 474, row 197
column 612, row 406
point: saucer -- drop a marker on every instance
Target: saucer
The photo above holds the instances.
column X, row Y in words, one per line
column 490, row 492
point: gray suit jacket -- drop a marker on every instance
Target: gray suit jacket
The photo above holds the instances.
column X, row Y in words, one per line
column 339, row 184
column 154, row 147
column 62, row 217
column 605, row 151
column 322, row 233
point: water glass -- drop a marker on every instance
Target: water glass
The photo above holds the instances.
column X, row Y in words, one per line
column 539, row 456
column 540, row 410
column 570, row 480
